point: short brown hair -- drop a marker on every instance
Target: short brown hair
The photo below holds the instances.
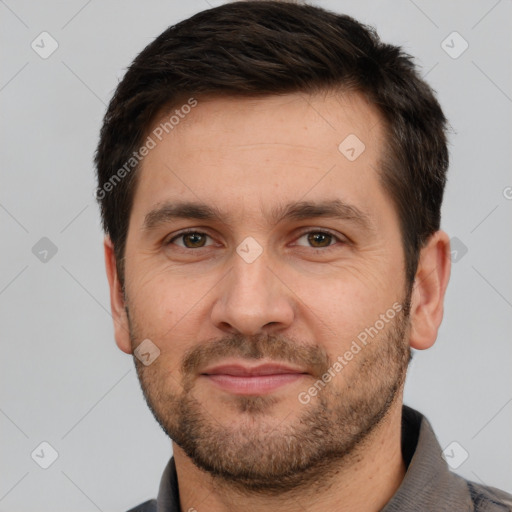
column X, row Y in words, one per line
column 267, row 47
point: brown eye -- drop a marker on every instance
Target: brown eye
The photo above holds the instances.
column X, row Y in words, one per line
column 322, row 241
column 190, row 240
column 319, row 239
column 194, row 239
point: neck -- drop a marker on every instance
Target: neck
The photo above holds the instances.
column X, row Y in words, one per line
column 366, row 480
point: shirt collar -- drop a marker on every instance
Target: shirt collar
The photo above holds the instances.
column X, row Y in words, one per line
column 428, row 483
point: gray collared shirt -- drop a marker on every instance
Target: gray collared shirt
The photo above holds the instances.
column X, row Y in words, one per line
column 428, row 485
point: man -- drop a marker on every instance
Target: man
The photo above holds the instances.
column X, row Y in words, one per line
column 270, row 178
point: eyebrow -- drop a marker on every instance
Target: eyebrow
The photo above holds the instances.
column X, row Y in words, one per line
column 301, row 210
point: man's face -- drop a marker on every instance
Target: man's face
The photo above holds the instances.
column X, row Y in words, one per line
column 258, row 287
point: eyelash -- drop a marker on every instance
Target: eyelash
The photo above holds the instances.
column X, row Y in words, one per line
column 316, row 231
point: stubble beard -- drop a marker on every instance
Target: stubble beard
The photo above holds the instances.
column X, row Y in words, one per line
column 259, row 454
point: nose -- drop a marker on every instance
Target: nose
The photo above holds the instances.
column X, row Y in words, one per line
column 252, row 299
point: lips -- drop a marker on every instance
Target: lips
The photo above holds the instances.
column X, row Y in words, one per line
column 247, row 371
column 252, row 380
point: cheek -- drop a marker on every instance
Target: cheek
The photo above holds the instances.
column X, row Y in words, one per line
column 344, row 304
column 165, row 304
column 154, row 304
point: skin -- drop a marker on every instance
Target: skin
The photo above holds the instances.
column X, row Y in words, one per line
column 298, row 302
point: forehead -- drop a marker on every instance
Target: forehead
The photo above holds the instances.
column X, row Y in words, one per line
column 317, row 120
column 245, row 153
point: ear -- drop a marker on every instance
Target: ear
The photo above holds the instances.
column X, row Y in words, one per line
column 427, row 301
column 117, row 304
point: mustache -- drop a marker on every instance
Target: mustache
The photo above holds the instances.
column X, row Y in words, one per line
column 312, row 358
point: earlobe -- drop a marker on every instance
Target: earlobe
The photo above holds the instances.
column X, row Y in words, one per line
column 117, row 304
column 431, row 281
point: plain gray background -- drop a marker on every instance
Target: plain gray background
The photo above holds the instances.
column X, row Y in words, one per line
column 64, row 381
